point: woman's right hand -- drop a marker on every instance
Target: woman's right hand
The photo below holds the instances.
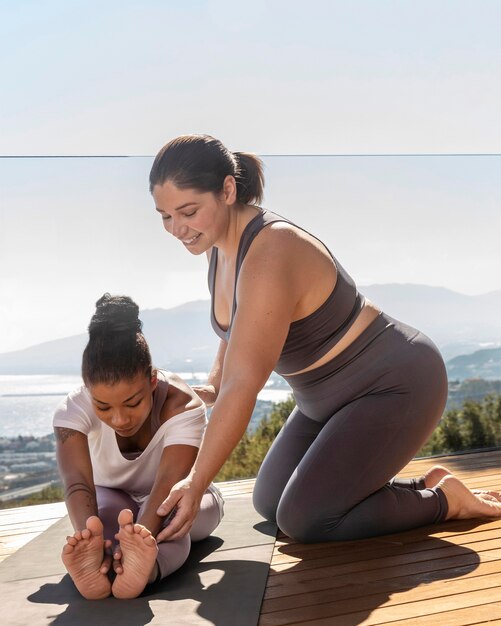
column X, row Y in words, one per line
column 183, row 503
column 206, row 393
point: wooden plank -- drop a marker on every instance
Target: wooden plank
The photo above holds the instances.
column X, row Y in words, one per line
column 394, row 591
column 416, row 574
column 424, row 570
column 465, row 464
column 375, row 611
column 447, row 574
column 470, row 616
column 371, row 548
column 343, row 562
column 458, row 617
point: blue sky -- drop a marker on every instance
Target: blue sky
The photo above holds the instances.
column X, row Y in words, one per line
column 275, row 77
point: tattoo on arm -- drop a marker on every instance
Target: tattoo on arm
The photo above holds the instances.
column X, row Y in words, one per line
column 89, row 502
column 71, row 489
column 63, row 434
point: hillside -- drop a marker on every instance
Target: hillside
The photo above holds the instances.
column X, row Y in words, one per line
column 484, row 364
column 181, row 338
column 457, row 323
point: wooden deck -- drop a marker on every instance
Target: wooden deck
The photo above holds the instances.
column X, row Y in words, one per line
column 20, row 525
column 444, row 575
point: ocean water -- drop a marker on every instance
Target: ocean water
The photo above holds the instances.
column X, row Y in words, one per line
column 27, row 403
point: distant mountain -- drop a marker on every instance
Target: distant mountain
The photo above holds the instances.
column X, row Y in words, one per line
column 181, row 338
column 484, row 364
column 457, row 323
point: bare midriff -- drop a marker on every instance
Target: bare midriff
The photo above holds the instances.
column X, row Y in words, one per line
column 366, row 316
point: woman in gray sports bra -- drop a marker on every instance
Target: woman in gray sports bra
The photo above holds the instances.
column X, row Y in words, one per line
column 369, row 389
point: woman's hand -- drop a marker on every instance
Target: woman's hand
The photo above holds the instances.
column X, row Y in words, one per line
column 110, row 559
column 206, row 393
column 183, row 503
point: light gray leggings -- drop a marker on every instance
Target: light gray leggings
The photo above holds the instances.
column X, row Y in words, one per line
column 171, row 554
column 360, row 418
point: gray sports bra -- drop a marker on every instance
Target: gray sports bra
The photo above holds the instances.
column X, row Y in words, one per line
column 311, row 337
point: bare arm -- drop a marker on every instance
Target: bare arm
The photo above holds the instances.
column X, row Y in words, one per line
column 208, row 393
column 267, row 297
column 75, row 469
column 175, row 464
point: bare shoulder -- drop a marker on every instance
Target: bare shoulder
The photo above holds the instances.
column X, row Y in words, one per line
column 287, row 240
column 180, row 397
column 287, row 264
column 293, row 253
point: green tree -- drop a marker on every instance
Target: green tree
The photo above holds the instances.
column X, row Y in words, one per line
column 477, row 431
column 246, row 458
column 474, row 425
column 452, row 438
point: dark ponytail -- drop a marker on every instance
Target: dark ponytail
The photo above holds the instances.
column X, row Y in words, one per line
column 250, row 178
column 201, row 162
column 117, row 349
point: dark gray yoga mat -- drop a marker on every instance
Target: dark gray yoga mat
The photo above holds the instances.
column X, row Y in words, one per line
column 222, row 582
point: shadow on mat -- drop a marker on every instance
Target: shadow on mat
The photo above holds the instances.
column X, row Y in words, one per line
column 220, row 602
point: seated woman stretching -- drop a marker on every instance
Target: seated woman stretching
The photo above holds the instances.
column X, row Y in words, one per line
column 123, row 440
column 369, row 389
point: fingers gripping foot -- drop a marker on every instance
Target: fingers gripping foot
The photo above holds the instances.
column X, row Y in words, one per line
column 139, row 553
column 83, row 557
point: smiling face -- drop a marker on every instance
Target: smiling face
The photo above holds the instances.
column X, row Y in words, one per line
column 124, row 406
column 197, row 219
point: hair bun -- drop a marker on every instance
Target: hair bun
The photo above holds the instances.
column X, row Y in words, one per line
column 115, row 314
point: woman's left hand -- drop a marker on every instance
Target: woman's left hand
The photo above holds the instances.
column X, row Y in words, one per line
column 184, row 503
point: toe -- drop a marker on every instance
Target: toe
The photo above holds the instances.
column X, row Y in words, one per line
column 94, row 525
column 86, row 533
column 125, row 517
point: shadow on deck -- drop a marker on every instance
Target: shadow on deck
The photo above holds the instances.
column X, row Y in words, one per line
column 447, row 574
column 441, row 575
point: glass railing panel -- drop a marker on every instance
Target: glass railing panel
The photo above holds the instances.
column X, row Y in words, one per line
column 419, row 234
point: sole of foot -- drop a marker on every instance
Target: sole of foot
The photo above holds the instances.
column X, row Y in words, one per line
column 466, row 504
column 83, row 557
column 139, row 553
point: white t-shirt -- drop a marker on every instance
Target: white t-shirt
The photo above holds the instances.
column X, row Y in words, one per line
column 110, row 468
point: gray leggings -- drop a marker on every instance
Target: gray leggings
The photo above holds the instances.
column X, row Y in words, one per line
column 359, row 419
column 171, row 554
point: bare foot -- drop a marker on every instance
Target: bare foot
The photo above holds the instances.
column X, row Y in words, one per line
column 83, row 556
column 466, row 504
column 139, row 554
column 434, row 475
